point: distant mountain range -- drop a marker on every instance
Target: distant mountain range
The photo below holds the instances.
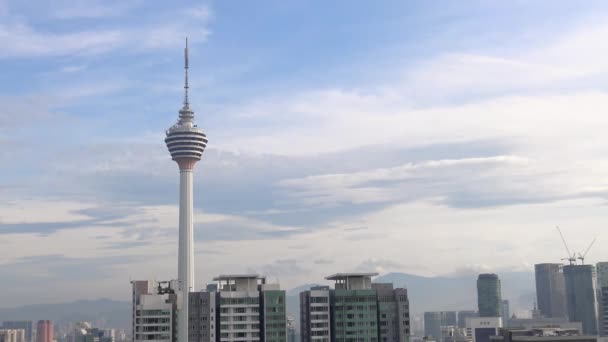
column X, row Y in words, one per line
column 425, row 293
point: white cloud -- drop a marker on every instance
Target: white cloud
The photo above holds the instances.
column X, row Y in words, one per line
column 201, row 12
column 89, row 9
column 73, row 68
column 483, row 181
column 379, row 266
column 529, row 94
column 22, row 40
column 40, row 211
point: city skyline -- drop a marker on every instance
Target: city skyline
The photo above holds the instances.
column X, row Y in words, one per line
column 412, row 139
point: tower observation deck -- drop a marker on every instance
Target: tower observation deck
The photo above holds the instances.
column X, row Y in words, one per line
column 185, row 141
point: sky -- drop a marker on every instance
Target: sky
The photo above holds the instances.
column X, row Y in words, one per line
column 428, row 137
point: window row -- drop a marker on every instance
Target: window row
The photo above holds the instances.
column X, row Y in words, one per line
column 239, row 301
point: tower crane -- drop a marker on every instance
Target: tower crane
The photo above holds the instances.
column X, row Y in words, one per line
column 571, row 256
column 582, row 257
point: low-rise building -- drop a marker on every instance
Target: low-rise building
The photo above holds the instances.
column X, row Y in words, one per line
column 12, row 335
column 480, row 329
column 27, row 326
column 542, row 335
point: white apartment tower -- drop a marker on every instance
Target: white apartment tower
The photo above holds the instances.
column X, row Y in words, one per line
column 315, row 323
column 154, row 311
column 250, row 310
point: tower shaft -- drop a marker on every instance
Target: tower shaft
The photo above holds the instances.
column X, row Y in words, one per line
column 186, row 235
column 186, row 251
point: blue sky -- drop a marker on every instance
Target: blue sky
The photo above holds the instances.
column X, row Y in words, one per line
column 430, row 137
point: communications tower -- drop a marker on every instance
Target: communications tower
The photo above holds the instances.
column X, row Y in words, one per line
column 186, row 143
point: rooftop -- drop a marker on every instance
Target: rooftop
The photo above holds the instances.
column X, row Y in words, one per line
column 339, row 276
column 238, row 276
column 488, row 276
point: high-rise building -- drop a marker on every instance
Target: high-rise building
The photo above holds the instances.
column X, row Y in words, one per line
column 355, row 310
column 154, row 311
column 432, row 325
column 241, row 307
column 186, row 143
column 506, row 314
column 489, row 298
column 202, row 316
column 44, row 331
column 463, row 315
column 354, row 307
column 433, row 321
column 315, row 324
column 602, row 291
column 393, row 313
column 550, row 290
column 249, row 309
column 109, row 335
column 291, row 329
column 27, row 326
column 450, row 318
column 12, row 335
column 581, row 296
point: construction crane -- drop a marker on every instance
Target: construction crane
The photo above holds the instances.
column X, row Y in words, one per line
column 571, row 256
column 166, row 288
column 582, row 257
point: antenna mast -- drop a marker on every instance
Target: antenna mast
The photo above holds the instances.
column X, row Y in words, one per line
column 186, row 67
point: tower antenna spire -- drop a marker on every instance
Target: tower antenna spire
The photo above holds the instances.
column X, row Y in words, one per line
column 186, row 102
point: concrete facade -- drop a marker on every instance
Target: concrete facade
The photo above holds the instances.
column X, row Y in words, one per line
column 315, row 324
column 154, row 311
column 12, row 335
column 202, row 317
column 44, row 331
column 602, row 291
column 393, row 312
column 463, row 315
column 541, row 335
column 243, row 309
column 27, row 326
column 480, row 329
